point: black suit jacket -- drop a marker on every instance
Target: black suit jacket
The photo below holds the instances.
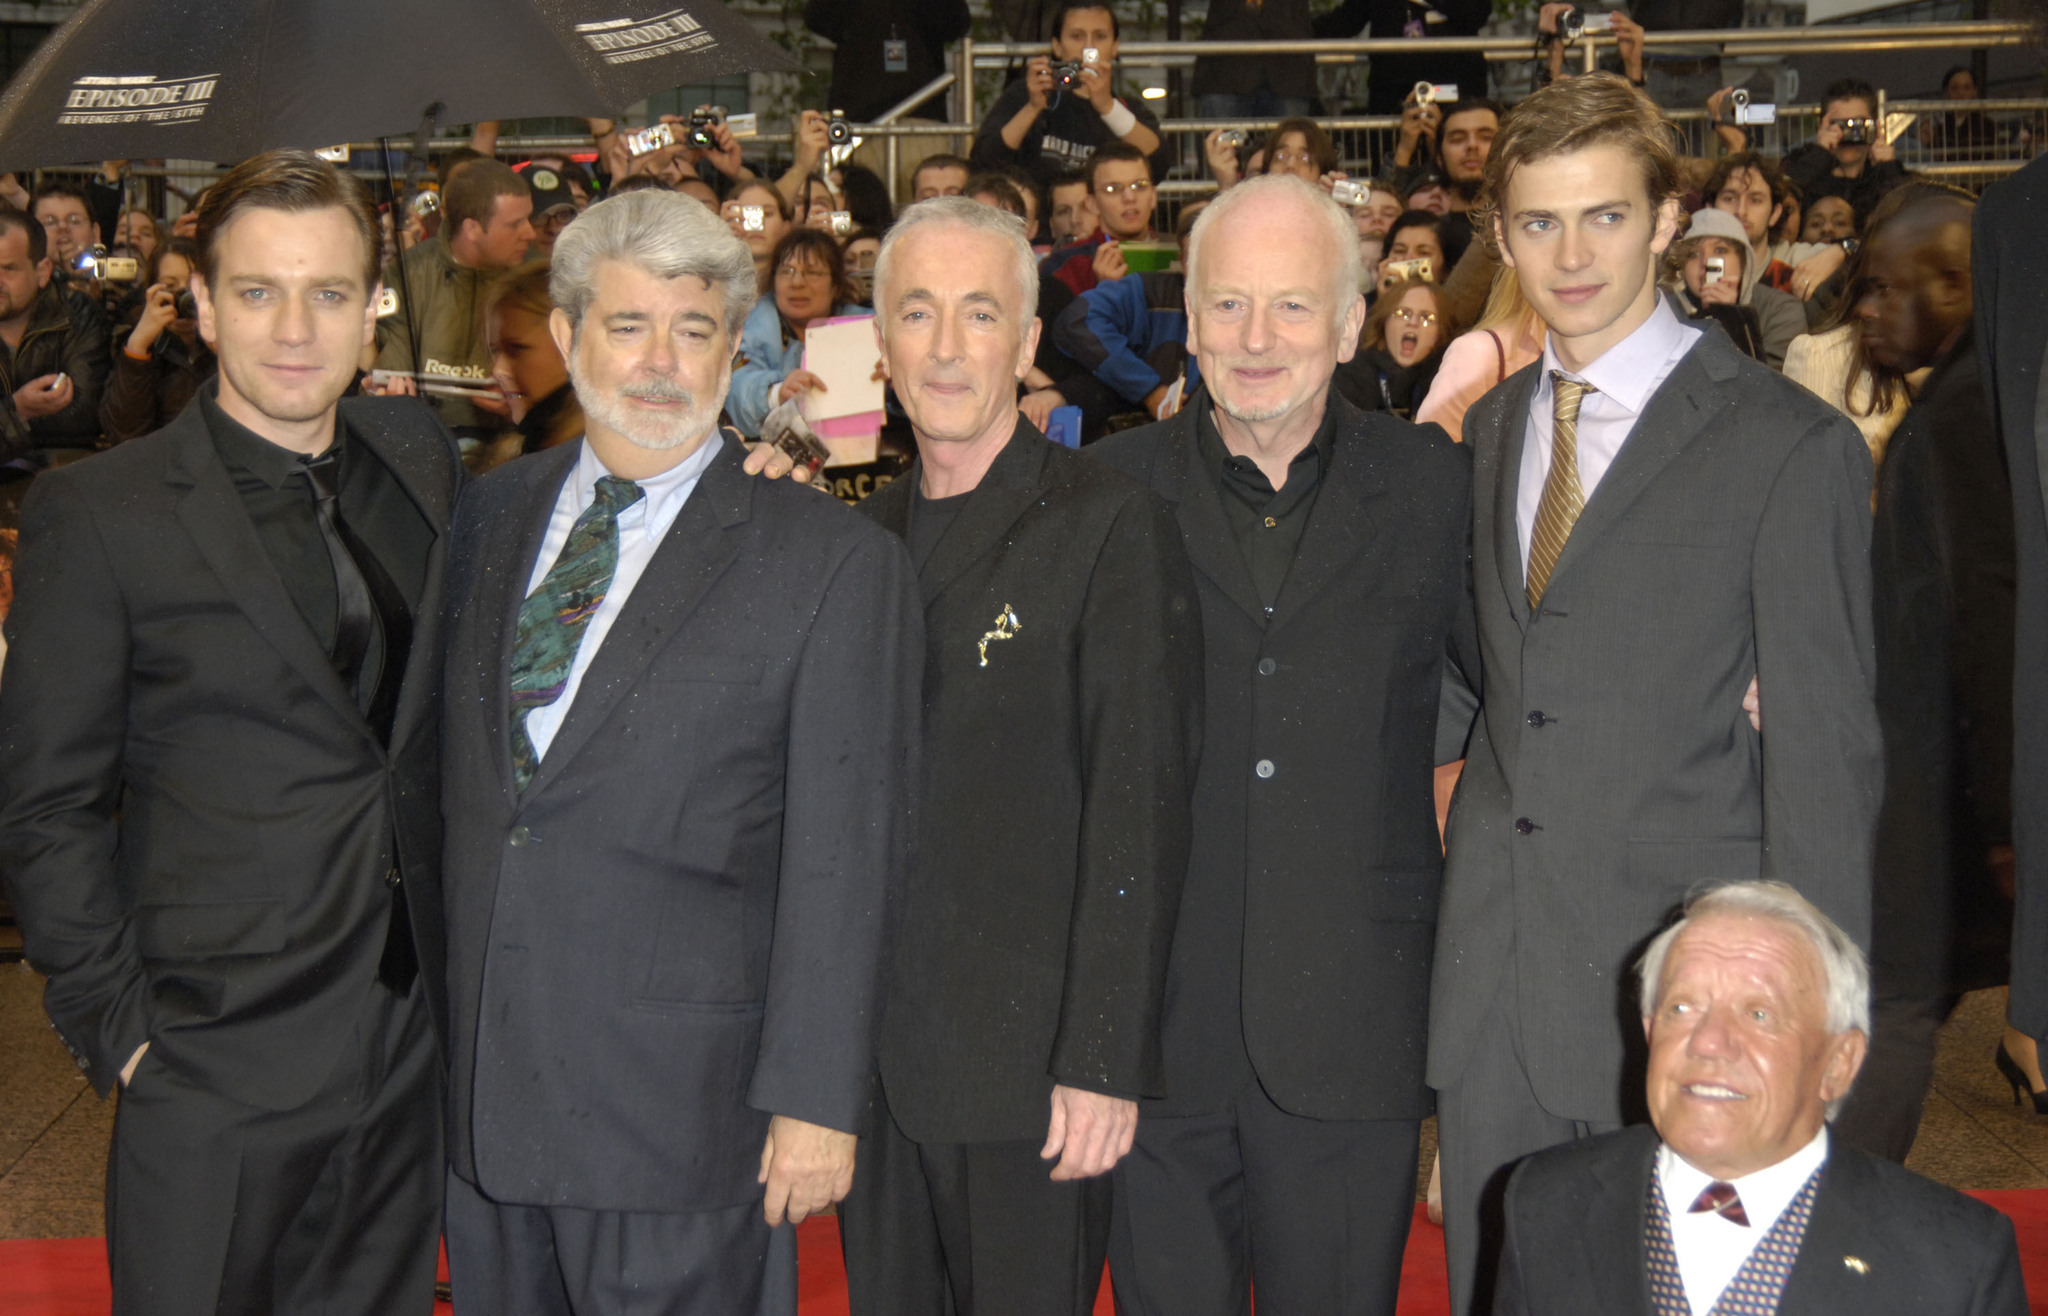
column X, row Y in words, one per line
column 1309, row 918
column 1053, row 827
column 1942, row 607
column 674, row 930
column 1576, row 1224
column 196, row 823
column 2011, row 286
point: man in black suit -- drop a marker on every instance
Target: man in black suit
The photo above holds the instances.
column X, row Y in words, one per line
column 218, row 820
column 1738, row 1197
column 680, row 730
column 1062, row 686
column 1942, row 599
column 1330, row 549
column 1657, row 520
column 2010, row 285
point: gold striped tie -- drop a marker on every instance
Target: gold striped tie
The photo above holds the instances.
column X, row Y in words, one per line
column 1563, row 497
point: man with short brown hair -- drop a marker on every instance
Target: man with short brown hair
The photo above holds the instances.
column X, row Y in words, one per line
column 219, row 820
column 1656, row 520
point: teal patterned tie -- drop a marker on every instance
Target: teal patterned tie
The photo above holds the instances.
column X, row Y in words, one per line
column 552, row 619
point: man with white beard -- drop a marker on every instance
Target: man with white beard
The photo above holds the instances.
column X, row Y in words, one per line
column 681, row 705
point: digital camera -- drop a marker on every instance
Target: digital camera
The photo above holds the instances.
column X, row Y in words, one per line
column 1418, row 268
column 1348, row 192
column 186, row 307
column 839, row 223
column 1717, row 269
column 1858, row 132
column 1433, row 93
column 700, row 137
column 651, row 138
column 837, row 130
column 1234, row 138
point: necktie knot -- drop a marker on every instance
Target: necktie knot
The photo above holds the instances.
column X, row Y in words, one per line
column 323, row 473
column 1570, row 393
column 615, row 495
column 1722, row 1199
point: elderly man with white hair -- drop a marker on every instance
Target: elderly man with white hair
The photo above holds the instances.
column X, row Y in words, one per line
column 680, row 712
column 1062, row 680
column 1737, row 1199
column 1329, row 547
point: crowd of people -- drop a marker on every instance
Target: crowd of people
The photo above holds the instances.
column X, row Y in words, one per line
column 456, row 780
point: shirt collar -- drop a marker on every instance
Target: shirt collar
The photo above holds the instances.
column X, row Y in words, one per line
column 1765, row 1193
column 1319, row 448
column 1627, row 372
column 244, row 449
column 661, row 496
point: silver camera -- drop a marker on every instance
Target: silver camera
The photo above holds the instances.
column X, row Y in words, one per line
column 839, row 223
column 651, row 138
column 1717, row 269
column 753, row 219
column 1347, row 192
column 1747, row 113
column 1234, row 138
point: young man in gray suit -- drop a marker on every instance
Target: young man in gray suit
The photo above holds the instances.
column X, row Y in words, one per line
column 1656, row 519
column 682, row 710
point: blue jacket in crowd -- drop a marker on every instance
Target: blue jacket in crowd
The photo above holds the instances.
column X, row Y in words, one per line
column 1131, row 332
column 767, row 356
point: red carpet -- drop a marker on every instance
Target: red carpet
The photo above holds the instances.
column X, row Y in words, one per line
column 68, row 1276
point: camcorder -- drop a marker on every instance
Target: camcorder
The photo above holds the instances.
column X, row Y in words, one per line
column 1346, row 192
column 1571, row 25
column 1858, row 132
column 837, row 130
column 1066, row 73
column 1433, row 93
column 1418, row 268
column 97, row 264
column 1746, row 113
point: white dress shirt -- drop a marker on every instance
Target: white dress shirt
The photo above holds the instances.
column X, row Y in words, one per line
column 1627, row 375
column 641, row 529
column 1711, row 1248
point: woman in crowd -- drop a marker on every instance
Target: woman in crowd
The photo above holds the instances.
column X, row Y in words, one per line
column 1419, row 235
column 1295, row 146
column 1402, row 345
column 1507, row 337
column 526, row 364
column 136, row 230
column 761, row 216
column 809, row 284
column 160, row 360
column 1703, row 272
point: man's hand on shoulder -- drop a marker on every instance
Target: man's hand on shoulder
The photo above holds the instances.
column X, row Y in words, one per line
column 1089, row 1132
column 806, row 1168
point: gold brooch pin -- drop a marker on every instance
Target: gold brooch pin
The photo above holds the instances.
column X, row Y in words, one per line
column 1856, row 1264
column 1007, row 627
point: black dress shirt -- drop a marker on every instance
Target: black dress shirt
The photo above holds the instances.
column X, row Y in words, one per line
column 279, row 499
column 1267, row 523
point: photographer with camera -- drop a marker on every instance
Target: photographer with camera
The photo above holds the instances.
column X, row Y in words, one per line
column 163, row 361
column 53, row 357
column 1851, row 157
column 486, row 228
column 65, row 213
column 1120, row 182
column 1458, row 138
column 1560, row 25
column 1752, row 188
column 1705, row 271
column 1052, row 119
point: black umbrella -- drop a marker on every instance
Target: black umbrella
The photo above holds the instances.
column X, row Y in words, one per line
column 224, row 79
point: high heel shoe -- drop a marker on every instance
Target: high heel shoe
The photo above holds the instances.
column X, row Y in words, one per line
column 2018, row 1078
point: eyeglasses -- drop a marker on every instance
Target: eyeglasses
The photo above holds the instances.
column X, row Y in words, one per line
column 802, row 272
column 1293, row 157
column 1419, row 319
column 1114, row 190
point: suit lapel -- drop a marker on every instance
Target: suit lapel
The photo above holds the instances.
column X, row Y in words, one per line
column 1341, row 524
column 1617, row 1227
column 1674, row 416
column 1014, row 481
column 1185, row 481
column 212, row 514
column 501, row 592
column 422, row 469
column 694, row 553
column 1840, row 1234
column 1510, row 436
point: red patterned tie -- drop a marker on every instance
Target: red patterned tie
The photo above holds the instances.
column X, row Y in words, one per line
column 1721, row 1199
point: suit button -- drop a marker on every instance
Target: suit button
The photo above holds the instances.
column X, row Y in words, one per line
column 520, row 836
column 391, row 879
column 1267, row 667
column 1264, row 767
column 1536, row 719
column 1524, row 826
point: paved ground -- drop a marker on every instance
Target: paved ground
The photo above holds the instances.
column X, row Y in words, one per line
column 54, row 1131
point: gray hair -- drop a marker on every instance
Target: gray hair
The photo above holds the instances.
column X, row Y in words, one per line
column 961, row 212
column 665, row 233
column 1842, row 965
column 1349, row 276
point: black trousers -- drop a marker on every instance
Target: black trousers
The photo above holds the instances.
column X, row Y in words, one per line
column 968, row 1229
column 509, row 1260
column 333, row 1208
column 1313, row 1213
column 1882, row 1114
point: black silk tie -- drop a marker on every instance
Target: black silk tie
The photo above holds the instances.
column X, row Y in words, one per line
column 370, row 620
